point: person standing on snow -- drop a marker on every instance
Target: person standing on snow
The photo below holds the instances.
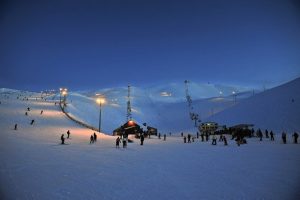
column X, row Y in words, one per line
column 142, row 139
column 62, row 138
column 118, row 142
column 68, row 133
column 91, row 139
column 283, row 136
column 95, row 137
column 295, row 135
column 272, row 136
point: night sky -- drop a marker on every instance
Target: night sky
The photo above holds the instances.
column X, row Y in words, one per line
column 95, row 44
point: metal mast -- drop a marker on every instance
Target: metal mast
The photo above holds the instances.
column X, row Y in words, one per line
column 129, row 116
column 193, row 115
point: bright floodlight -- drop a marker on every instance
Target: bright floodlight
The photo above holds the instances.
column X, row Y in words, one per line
column 100, row 101
column 64, row 92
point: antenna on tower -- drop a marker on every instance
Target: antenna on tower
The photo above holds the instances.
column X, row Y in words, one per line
column 193, row 115
column 129, row 116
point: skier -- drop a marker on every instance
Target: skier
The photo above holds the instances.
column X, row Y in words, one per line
column 267, row 133
column 202, row 137
column 158, row 135
column 118, row 142
column 68, row 133
column 221, row 138
column 283, row 136
column 206, row 136
column 225, row 141
column 62, row 139
column 189, row 138
column 272, row 135
column 32, row 121
column 124, row 142
column 95, row 137
column 165, row 137
column 295, row 135
column 260, row 135
column 91, row 139
column 181, row 134
column 28, row 109
column 184, row 139
column 16, row 126
column 42, row 112
column 142, row 139
column 214, row 140
column 26, row 113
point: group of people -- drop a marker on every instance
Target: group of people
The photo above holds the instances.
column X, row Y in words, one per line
column 62, row 138
column 93, row 138
column 26, row 114
column 123, row 140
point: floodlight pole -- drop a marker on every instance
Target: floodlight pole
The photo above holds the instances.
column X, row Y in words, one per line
column 100, row 113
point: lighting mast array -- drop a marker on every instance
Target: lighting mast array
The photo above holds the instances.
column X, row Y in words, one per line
column 193, row 115
column 129, row 116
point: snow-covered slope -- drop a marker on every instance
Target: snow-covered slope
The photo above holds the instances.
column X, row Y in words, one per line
column 277, row 109
column 34, row 166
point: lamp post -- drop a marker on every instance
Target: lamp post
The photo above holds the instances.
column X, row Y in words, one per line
column 234, row 96
column 60, row 90
column 100, row 101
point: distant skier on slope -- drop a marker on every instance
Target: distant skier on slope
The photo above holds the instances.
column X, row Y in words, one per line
column 91, row 139
column 68, row 133
column 118, row 142
column 142, row 139
column 16, row 126
column 95, row 137
column 62, row 138
column 295, row 135
column 32, row 122
column 283, row 136
column 272, row 135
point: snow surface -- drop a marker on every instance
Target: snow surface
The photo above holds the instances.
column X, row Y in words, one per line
column 35, row 166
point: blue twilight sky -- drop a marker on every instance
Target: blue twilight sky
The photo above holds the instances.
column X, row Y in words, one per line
column 47, row 44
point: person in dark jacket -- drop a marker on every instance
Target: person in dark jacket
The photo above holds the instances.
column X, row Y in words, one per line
column 95, row 137
column 142, row 139
column 295, row 135
column 91, row 139
column 32, row 121
column 16, row 126
column 225, row 140
column 184, row 139
column 118, row 142
column 62, row 138
column 283, row 136
column 202, row 137
column 165, row 137
column 189, row 138
column 272, row 135
column 68, row 133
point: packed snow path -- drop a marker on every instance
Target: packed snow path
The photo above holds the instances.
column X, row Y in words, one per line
column 35, row 166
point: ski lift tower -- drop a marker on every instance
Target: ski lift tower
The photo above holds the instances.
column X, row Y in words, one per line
column 129, row 115
column 193, row 115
